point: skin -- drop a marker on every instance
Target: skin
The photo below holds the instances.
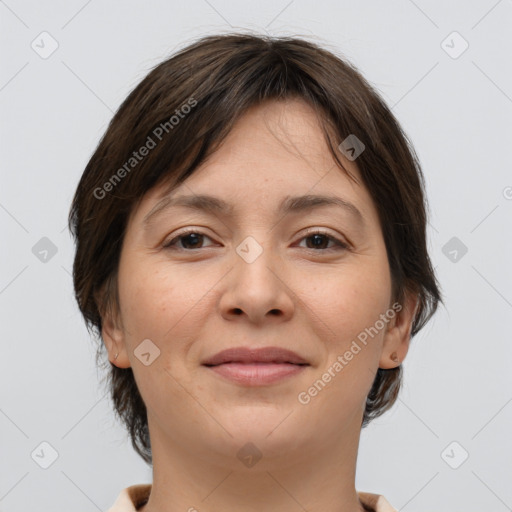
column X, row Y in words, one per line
column 202, row 297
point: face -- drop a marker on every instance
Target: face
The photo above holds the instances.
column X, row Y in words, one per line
column 266, row 271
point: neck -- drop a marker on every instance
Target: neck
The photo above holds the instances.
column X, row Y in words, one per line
column 202, row 478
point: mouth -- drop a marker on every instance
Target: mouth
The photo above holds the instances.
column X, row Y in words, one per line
column 256, row 367
column 246, row 355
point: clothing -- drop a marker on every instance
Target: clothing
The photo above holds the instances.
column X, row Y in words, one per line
column 136, row 495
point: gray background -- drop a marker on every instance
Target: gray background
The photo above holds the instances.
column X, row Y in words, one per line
column 456, row 107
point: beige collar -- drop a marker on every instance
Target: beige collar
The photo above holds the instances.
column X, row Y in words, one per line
column 136, row 495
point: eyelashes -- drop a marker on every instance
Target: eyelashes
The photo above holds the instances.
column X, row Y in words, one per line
column 182, row 236
column 195, row 237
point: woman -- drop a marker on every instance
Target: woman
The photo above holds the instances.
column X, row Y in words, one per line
column 251, row 249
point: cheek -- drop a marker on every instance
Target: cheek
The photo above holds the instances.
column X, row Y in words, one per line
column 143, row 300
column 164, row 306
column 161, row 303
column 351, row 298
column 347, row 307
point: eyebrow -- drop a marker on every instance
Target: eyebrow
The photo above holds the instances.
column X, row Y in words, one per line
column 290, row 204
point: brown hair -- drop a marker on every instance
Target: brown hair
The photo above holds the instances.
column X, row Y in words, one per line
column 218, row 78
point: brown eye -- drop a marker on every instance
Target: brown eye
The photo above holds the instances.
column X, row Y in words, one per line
column 320, row 241
column 187, row 241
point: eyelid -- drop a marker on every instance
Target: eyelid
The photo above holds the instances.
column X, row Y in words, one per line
column 184, row 233
column 340, row 243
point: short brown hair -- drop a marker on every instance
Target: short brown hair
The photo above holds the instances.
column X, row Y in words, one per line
column 219, row 77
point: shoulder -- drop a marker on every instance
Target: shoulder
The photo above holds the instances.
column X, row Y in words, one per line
column 131, row 498
column 376, row 502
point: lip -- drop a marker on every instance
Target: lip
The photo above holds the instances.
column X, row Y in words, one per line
column 256, row 367
column 255, row 355
column 257, row 374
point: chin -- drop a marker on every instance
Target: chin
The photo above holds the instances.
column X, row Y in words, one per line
column 270, row 429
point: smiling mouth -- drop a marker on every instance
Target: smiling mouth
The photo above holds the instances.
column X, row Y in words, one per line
column 256, row 373
column 256, row 366
column 253, row 355
column 255, row 363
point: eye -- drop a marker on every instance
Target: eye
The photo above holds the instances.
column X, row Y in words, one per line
column 319, row 239
column 190, row 239
column 193, row 239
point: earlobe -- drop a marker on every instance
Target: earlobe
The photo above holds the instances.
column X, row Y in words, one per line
column 398, row 334
column 113, row 337
column 112, row 331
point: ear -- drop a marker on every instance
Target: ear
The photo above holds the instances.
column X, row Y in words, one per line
column 398, row 332
column 112, row 331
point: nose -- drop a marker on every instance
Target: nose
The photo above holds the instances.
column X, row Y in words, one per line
column 257, row 291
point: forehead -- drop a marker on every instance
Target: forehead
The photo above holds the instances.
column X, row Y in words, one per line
column 274, row 150
column 287, row 131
